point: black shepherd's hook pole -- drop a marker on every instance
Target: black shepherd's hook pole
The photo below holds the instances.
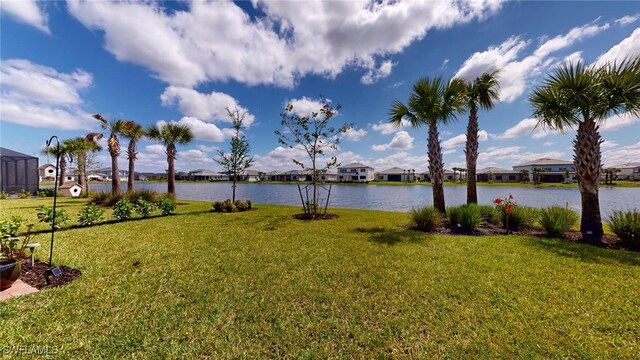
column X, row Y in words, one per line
column 55, row 194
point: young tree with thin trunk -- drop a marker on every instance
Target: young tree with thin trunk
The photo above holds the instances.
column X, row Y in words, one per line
column 432, row 102
column 81, row 151
column 114, row 128
column 582, row 97
column 480, row 94
column 313, row 134
column 134, row 132
column 238, row 159
column 169, row 135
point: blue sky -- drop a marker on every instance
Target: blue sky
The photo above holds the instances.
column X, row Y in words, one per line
column 186, row 62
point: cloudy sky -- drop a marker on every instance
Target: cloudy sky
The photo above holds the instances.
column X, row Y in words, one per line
column 180, row 61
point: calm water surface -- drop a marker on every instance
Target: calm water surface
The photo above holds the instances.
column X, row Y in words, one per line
column 395, row 198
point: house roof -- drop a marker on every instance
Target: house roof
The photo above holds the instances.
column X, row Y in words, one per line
column 46, row 166
column 203, row 172
column 68, row 185
column 354, row 166
column 630, row 165
column 545, row 161
column 251, row 172
column 14, row 155
column 393, row 170
column 496, row 170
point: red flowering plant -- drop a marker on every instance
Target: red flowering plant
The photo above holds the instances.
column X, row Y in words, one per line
column 505, row 207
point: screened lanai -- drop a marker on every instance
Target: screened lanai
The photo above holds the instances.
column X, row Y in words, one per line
column 18, row 171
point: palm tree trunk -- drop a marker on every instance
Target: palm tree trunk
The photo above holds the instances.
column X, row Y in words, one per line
column 115, row 175
column 131, row 153
column 62, row 173
column 587, row 160
column 171, row 176
column 471, row 152
column 436, row 168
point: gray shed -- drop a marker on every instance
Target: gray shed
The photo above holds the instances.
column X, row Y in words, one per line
column 18, row 171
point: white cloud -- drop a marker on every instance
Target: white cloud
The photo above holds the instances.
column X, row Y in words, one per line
column 155, row 149
column 516, row 71
column 630, row 46
column 27, row 11
column 621, row 155
column 306, row 106
column 402, row 160
column 194, row 156
column 40, row 96
column 388, row 128
column 547, row 143
column 201, row 130
column 523, row 128
column 218, row 41
column 626, row 20
column 206, row 148
column 608, row 144
column 616, row 122
column 573, row 58
column 208, row 107
column 513, row 155
column 348, row 157
column 401, row 141
column 375, row 74
column 355, row 135
column 459, row 140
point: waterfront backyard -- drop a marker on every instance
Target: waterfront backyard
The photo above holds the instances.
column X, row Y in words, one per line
column 262, row 284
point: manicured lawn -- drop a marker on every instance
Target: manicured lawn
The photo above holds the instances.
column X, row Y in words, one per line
column 261, row 284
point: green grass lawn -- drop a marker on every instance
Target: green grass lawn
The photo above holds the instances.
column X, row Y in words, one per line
column 261, row 284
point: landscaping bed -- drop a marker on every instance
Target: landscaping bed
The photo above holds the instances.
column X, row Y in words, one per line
column 35, row 275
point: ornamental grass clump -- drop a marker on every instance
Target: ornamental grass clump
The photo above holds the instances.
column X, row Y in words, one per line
column 426, row 218
column 556, row 220
column 465, row 218
column 145, row 194
column 626, row 225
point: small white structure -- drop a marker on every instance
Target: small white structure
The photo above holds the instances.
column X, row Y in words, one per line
column 47, row 172
column 628, row 171
column 70, row 189
column 356, row 172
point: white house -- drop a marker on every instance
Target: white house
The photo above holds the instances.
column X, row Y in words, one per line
column 498, row 175
column 47, row 172
column 553, row 170
column 356, row 172
column 628, row 171
column 397, row 174
column 70, row 189
column 251, row 175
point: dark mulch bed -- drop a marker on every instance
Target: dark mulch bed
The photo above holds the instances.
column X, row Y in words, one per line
column 609, row 241
column 319, row 217
column 34, row 275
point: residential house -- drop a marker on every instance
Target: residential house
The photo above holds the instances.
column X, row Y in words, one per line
column 628, row 171
column 207, row 175
column 553, row 170
column 397, row 174
column 356, row 172
column 498, row 175
column 251, row 175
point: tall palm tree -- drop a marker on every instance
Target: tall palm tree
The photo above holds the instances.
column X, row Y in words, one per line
column 480, row 94
column 431, row 102
column 114, row 128
column 575, row 95
column 133, row 132
column 170, row 134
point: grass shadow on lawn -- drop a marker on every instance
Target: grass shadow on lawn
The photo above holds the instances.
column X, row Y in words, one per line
column 386, row 236
column 584, row 252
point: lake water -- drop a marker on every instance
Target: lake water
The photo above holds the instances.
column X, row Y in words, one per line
column 395, row 198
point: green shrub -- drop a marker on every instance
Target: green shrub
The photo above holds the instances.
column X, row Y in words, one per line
column 489, row 214
column 168, row 196
column 228, row 206
column 90, row 215
column 122, row 210
column 520, row 217
column 166, row 206
column 147, row 195
column 465, row 218
column 45, row 192
column 242, row 205
column 3, row 195
column 23, row 194
column 216, row 206
column 626, row 225
column 426, row 218
column 556, row 220
column 144, row 208
column 45, row 215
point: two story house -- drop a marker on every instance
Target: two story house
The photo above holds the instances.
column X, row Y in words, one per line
column 355, row 172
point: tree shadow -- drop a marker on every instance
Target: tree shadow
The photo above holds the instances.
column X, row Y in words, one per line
column 390, row 237
column 584, row 252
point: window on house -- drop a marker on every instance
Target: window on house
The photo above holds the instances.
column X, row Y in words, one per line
column 512, row 177
column 363, row 170
column 498, row 177
column 363, row 178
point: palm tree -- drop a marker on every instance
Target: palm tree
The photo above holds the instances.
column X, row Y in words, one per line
column 170, row 134
column 431, row 102
column 536, row 173
column 575, row 95
column 524, row 175
column 133, row 132
column 455, row 170
column 481, row 93
column 114, row 127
